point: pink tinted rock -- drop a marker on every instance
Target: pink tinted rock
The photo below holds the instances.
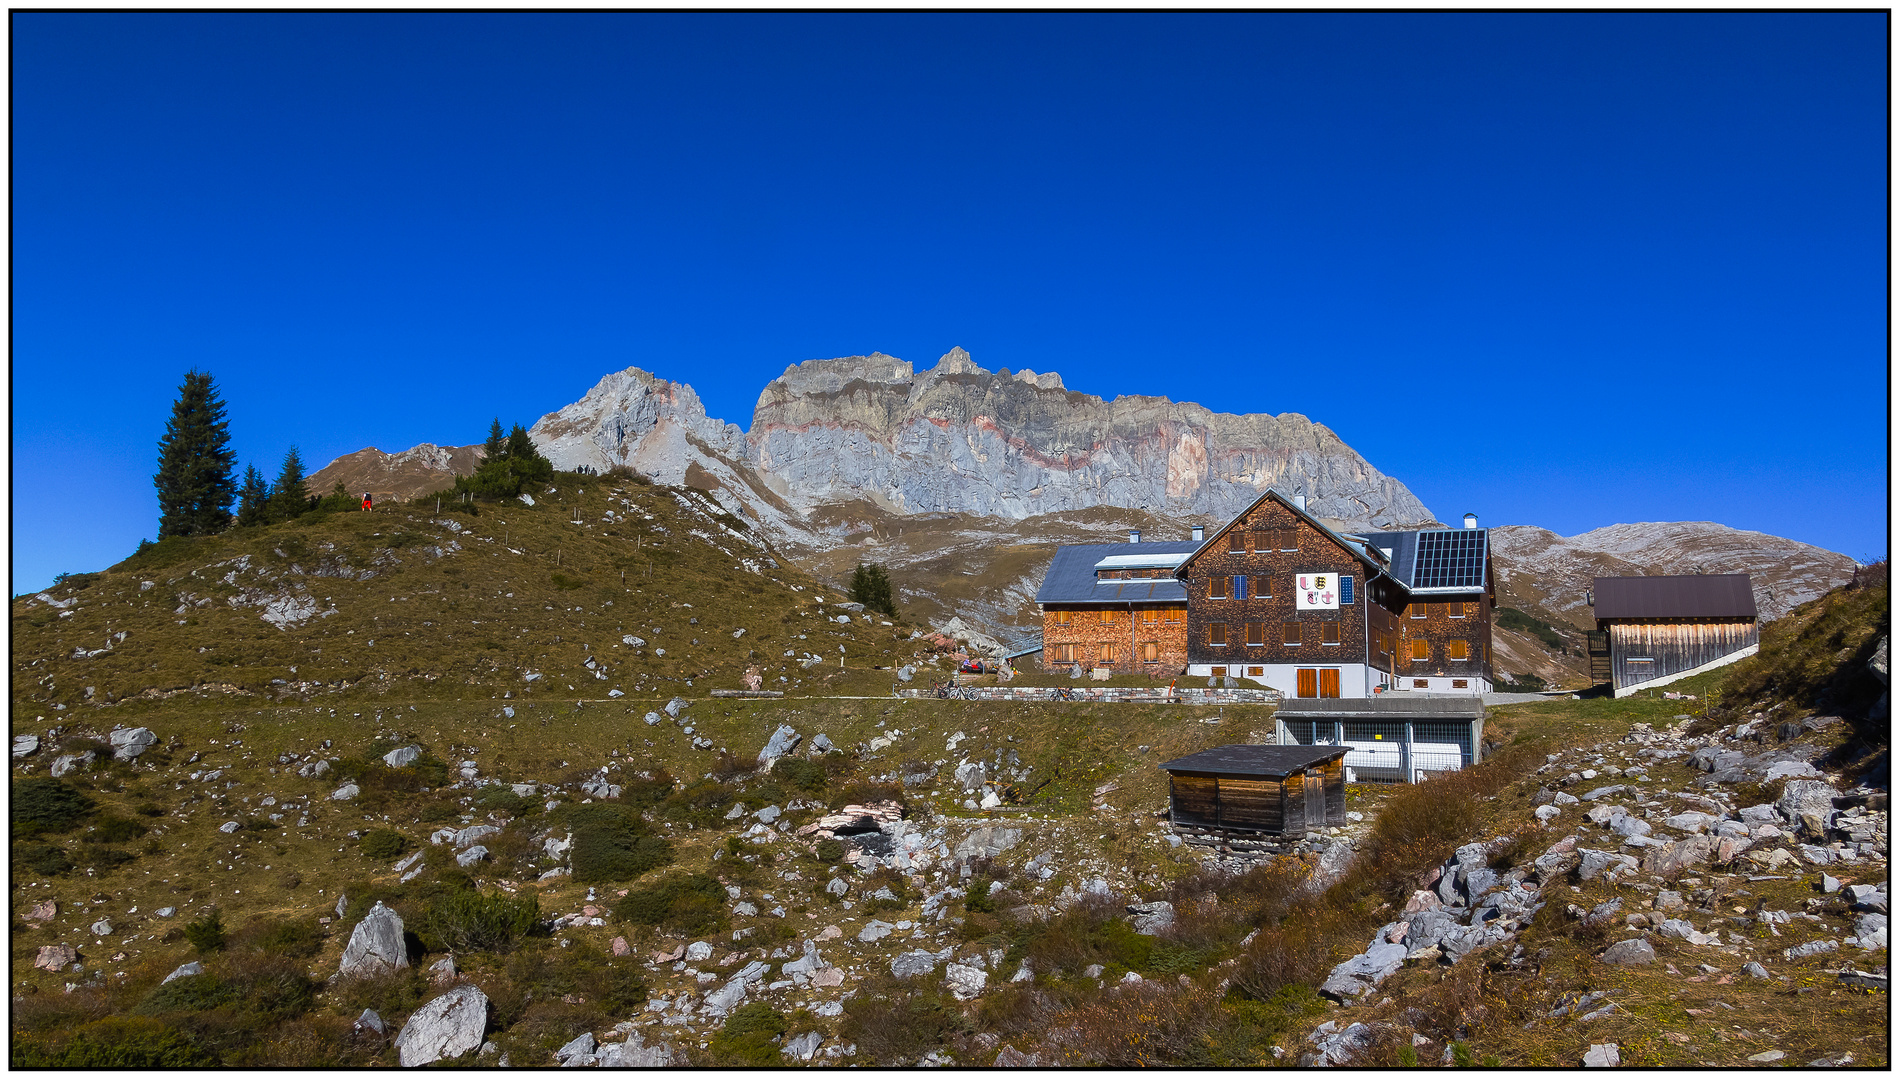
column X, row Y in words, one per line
column 620, row 947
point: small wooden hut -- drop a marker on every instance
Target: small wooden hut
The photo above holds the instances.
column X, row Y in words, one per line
column 1274, row 790
column 1652, row 631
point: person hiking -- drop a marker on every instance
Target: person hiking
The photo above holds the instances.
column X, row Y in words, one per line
column 366, row 502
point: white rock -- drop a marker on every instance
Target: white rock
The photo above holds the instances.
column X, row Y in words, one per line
column 376, row 945
column 446, row 1027
column 182, row 970
column 346, row 792
column 128, row 743
column 402, row 756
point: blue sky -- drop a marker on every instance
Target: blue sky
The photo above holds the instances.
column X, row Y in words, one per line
column 1562, row 270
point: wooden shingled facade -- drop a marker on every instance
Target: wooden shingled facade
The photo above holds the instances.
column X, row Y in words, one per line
column 1273, row 790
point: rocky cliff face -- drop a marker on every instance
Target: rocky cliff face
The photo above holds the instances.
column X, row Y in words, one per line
column 1541, row 571
column 961, row 439
column 403, row 475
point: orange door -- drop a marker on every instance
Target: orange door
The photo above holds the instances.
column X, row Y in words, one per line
column 1309, row 683
column 1328, row 683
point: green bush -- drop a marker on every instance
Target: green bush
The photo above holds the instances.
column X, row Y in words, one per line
column 104, row 858
column 116, row 1042
column 800, row 773
column 687, row 904
column 113, row 829
column 469, row 921
column 977, row 896
column 829, row 851
column 383, row 843
column 189, row 993
column 48, row 859
column 702, row 803
column 284, row 937
column 43, row 804
column 746, row 1038
column 502, row 799
column 206, row 933
column 610, row 843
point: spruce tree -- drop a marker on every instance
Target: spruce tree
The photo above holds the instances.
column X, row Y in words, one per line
column 871, row 586
column 520, row 446
column 497, row 445
column 253, row 498
column 194, row 478
column 288, row 498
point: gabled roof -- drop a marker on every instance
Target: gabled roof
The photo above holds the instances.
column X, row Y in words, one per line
column 1253, row 760
column 1682, row 596
column 1357, row 548
column 1071, row 578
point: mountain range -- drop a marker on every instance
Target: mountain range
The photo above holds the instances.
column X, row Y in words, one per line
column 963, row 480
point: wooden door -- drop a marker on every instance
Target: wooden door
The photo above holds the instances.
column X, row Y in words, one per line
column 1328, row 683
column 1309, row 682
column 1316, row 798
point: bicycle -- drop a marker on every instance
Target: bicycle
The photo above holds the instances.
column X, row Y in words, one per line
column 1062, row 693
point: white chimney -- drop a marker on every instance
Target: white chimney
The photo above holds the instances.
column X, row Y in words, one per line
column 1299, row 502
column 1199, row 534
column 1471, row 521
column 1134, row 536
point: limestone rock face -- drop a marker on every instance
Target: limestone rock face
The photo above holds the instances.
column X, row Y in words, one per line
column 446, row 1027
column 961, row 439
column 376, row 945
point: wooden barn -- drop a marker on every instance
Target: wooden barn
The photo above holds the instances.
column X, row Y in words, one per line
column 1273, row 790
column 1652, row 631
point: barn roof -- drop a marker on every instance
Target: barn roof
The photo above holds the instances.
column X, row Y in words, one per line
column 1251, row 759
column 1071, row 578
column 1679, row 596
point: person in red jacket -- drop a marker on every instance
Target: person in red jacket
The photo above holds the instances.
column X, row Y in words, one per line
column 366, row 504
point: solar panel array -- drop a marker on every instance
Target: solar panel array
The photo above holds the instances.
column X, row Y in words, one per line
column 1450, row 559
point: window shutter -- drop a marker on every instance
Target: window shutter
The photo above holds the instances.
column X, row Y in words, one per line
column 1240, row 586
column 1345, row 589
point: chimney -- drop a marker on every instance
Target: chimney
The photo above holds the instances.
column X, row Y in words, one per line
column 1299, row 502
column 1471, row 521
column 1134, row 536
column 1200, row 534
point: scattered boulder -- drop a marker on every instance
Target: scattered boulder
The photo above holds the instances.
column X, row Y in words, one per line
column 1602, row 1056
column 55, row 957
column 42, row 912
column 25, row 745
column 911, row 964
column 1631, row 952
column 1808, row 804
column 988, row 841
column 102, row 928
column 369, row 1021
column 804, row 1046
column 447, row 1027
column 68, row 763
column 1151, row 918
column 128, row 743
column 376, row 946
column 675, row 707
column 182, row 970
column 782, row 742
column 965, row 981
column 581, row 1046
column 473, row 833
column 402, row 756
column 347, row 792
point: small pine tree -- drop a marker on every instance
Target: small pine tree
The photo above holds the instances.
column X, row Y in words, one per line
column 194, row 478
column 497, row 444
column 288, row 499
column 520, row 447
column 507, row 473
column 871, row 586
column 253, row 498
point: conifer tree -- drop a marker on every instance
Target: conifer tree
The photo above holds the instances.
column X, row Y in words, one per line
column 194, row 478
column 520, row 447
column 288, row 498
column 253, row 498
column 497, row 444
column 871, row 586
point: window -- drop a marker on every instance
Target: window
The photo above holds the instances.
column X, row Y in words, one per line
column 1329, row 633
column 1421, row 649
column 1263, row 586
column 1150, row 652
column 1345, row 590
column 1456, row 609
column 1150, row 616
column 1256, row 633
column 1240, row 586
column 1220, row 671
column 1290, row 633
column 1421, row 684
column 1105, row 616
column 1460, row 684
column 1459, row 650
column 1236, row 541
column 1062, row 654
column 1257, row 672
column 1418, row 611
column 1060, row 618
column 1217, row 588
column 1175, row 614
column 1263, row 540
column 1289, row 539
column 1217, row 634
column 1105, row 653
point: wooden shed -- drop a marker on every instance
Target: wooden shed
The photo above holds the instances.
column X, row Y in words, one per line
column 1656, row 630
column 1276, row 790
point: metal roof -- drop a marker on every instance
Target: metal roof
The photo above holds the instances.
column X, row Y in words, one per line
column 1250, row 759
column 1398, row 706
column 1680, row 596
column 1071, row 578
column 1404, row 547
column 1437, row 560
column 1023, row 646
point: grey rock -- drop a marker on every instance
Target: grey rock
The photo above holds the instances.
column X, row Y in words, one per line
column 822, row 744
column 102, row 928
column 68, row 763
column 182, row 970
column 25, row 745
column 1872, row 897
column 229, row 827
column 652, row 718
column 697, row 951
column 970, row 775
column 988, row 841
column 725, row 999
column 1764, row 814
column 635, row 1054
column 376, row 945
column 402, row 756
column 675, row 707
column 1754, row 970
column 315, row 768
column 782, row 742
column 1870, row 931
column 965, row 981
column 1602, row 1056
column 1593, row 863
column 581, row 1044
column 128, row 743
column 1812, row 948
column 472, row 856
column 473, row 833
column 804, row 1046
column 347, row 792
column 369, row 1021
column 1632, row 951
column 1604, row 792
column 446, row 1027
column 165, row 912
column 914, row 963
column 1809, row 804
column 1151, row 918
column 1767, row 1057
column 875, row 930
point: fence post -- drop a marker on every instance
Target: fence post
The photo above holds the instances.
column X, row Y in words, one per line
column 1405, row 755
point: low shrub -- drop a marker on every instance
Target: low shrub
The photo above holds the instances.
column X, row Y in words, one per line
column 829, row 851
column 611, row 843
column 730, row 767
column 47, row 859
column 977, row 896
column 280, row 937
column 469, row 921
column 688, row 904
column 894, row 1023
column 188, row 993
column 113, row 829
column 800, row 773
column 206, row 933
column 93, row 856
column 116, row 1042
column 748, row 1037
column 500, row 798
column 702, row 802
column 43, row 804
column 383, row 844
